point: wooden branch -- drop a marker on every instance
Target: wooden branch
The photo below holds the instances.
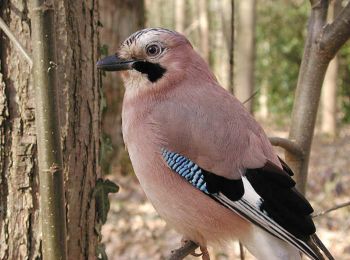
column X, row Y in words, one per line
column 311, row 74
column 288, row 145
column 14, row 40
column 343, row 205
column 180, row 253
column 51, row 190
column 336, row 33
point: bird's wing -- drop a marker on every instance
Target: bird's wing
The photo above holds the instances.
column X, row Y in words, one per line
column 265, row 196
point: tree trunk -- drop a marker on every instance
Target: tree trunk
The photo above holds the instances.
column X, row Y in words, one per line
column 329, row 92
column 329, row 99
column 263, row 112
column 323, row 42
column 231, row 48
column 245, row 51
column 179, row 15
column 203, row 28
column 79, row 112
column 129, row 16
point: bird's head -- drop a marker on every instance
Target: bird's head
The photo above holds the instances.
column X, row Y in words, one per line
column 151, row 57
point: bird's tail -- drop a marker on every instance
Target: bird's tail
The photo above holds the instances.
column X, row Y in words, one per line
column 321, row 246
column 316, row 244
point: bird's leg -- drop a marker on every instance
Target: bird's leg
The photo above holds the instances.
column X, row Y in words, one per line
column 205, row 253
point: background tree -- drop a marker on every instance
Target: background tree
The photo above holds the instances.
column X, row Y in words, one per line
column 79, row 114
column 120, row 18
column 245, row 51
column 322, row 43
column 329, row 89
column 179, row 15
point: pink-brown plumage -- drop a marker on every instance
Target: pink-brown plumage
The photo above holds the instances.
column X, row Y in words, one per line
column 185, row 110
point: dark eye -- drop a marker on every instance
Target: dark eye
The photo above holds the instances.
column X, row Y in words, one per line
column 153, row 50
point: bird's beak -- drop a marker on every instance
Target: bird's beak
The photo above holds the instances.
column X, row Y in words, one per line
column 114, row 63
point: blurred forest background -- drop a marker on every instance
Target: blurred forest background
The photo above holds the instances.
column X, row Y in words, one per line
column 255, row 49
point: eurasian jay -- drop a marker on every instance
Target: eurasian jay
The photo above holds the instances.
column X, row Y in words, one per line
column 203, row 161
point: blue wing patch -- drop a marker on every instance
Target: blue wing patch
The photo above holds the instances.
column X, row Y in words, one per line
column 186, row 169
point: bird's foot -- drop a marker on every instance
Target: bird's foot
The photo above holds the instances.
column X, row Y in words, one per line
column 205, row 253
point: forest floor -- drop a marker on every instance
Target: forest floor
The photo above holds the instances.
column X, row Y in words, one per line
column 135, row 231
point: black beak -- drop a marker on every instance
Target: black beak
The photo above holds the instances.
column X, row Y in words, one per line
column 113, row 63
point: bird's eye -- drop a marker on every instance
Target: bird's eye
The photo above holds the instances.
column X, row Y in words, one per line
column 153, row 50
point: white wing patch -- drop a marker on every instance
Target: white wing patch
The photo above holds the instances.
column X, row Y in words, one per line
column 249, row 208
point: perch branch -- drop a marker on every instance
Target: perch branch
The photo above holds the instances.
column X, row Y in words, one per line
column 343, row 205
column 12, row 38
column 180, row 253
column 288, row 145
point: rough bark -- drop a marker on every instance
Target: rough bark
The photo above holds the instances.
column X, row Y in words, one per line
column 79, row 112
column 245, row 51
column 78, row 45
column 322, row 43
column 19, row 221
column 129, row 17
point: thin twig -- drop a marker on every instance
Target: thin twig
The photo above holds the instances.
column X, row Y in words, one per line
column 343, row 205
column 253, row 95
column 288, row 145
column 180, row 253
column 12, row 38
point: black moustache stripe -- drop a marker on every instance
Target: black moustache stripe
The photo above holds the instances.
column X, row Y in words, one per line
column 154, row 71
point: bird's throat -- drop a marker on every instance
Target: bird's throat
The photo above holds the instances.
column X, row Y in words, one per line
column 154, row 71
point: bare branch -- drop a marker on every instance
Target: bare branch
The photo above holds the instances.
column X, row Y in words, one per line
column 288, row 145
column 343, row 205
column 187, row 248
column 12, row 38
column 336, row 33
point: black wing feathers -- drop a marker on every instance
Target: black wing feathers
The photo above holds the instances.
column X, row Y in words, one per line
column 286, row 167
column 281, row 200
column 232, row 189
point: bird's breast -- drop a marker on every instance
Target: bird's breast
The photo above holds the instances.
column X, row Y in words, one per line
column 188, row 210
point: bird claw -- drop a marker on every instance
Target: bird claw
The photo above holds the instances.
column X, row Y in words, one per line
column 204, row 253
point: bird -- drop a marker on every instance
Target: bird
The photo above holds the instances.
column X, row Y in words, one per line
column 201, row 158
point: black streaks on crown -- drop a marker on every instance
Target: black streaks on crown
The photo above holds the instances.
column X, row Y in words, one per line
column 154, row 71
column 282, row 202
column 132, row 38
